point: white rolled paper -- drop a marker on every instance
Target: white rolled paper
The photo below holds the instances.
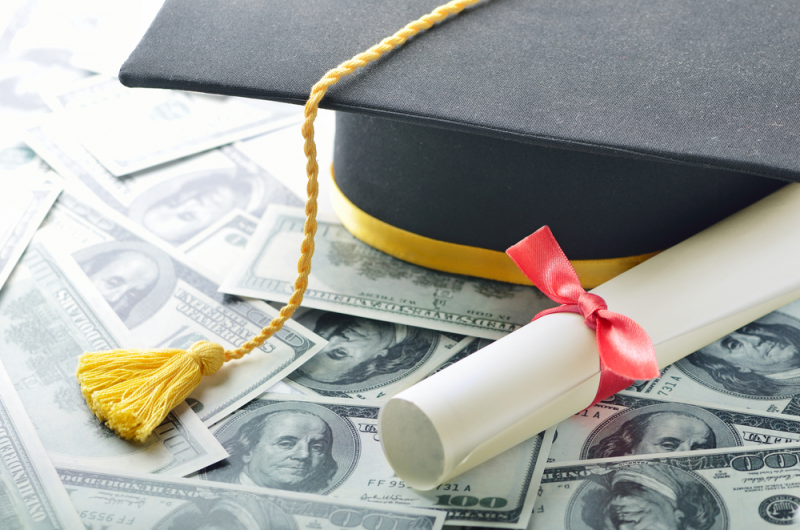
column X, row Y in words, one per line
column 685, row 298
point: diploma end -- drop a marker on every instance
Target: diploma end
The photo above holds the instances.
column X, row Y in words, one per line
column 411, row 444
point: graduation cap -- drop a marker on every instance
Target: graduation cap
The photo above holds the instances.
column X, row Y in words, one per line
column 624, row 126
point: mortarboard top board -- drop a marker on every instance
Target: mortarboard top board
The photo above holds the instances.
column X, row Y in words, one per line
column 624, row 126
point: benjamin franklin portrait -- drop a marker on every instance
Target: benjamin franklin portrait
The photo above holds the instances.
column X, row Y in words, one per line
column 180, row 207
column 361, row 353
column 135, row 278
column 292, row 446
column 659, row 428
column 650, row 496
column 761, row 359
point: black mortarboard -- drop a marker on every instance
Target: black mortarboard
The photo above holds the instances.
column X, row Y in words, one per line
column 624, row 126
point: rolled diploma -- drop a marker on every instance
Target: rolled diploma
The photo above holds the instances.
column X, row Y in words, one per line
column 685, row 298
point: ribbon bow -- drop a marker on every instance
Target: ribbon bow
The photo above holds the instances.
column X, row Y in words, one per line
column 626, row 351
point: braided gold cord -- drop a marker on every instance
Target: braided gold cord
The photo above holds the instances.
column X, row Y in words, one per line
column 318, row 91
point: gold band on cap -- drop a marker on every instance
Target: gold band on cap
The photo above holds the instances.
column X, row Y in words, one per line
column 460, row 259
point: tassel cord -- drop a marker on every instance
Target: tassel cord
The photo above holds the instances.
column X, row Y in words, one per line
column 318, row 91
column 132, row 391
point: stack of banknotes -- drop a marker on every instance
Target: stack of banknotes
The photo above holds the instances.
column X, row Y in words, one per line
column 154, row 219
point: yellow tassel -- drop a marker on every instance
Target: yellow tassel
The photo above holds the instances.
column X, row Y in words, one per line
column 134, row 390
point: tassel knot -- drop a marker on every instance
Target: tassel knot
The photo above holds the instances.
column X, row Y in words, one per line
column 209, row 356
column 134, row 390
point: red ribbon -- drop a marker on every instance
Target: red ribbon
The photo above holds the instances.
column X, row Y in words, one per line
column 626, row 351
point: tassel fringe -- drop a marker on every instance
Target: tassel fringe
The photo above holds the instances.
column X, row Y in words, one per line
column 132, row 391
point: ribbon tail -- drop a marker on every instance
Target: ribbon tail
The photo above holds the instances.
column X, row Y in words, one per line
column 610, row 384
column 624, row 346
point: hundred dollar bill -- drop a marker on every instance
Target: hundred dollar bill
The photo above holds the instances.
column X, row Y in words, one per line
column 369, row 359
column 350, row 277
column 366, row 359
column 131, row 129
column 627, row 424
column 755, row 367
column 24, row 203
column 31, row 496
column 111, row 501
column 175, row 202
column 723, row 490
column 48, row 318
column 166, row 303
column 332, row 447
